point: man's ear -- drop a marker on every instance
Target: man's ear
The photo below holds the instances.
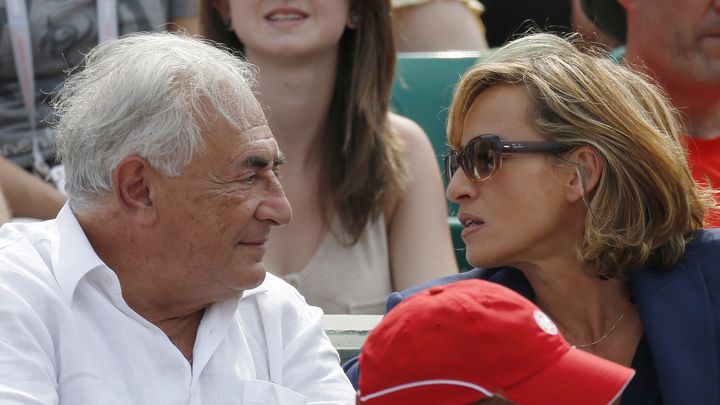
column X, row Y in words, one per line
column 588, row 169
column 134, row 182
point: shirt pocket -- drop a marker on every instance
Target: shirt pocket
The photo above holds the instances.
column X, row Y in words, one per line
column 258, row 392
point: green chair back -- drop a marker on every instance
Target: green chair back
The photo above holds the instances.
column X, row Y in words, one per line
column 422, row 91
column 423, row 87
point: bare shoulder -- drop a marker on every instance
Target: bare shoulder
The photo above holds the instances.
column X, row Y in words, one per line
column 416, row 141
column 419, row 158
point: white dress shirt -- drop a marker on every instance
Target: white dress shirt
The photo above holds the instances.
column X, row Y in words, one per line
column 68, row 337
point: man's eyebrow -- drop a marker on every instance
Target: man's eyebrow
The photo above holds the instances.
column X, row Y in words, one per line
column 261, row 162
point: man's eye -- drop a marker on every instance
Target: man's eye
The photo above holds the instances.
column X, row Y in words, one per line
column 250, row 179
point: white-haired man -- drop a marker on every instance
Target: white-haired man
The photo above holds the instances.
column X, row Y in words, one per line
column 149, row 287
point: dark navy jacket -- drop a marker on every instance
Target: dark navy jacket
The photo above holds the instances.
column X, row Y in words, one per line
column 679, row 309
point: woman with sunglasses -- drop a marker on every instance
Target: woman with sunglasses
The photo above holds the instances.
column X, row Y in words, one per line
column 574, row 190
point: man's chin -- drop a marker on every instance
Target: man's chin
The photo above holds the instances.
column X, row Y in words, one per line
column 255, row 276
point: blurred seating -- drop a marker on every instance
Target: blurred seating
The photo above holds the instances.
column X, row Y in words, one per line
column 348, row 332
column 423, row 87
column 422, row 90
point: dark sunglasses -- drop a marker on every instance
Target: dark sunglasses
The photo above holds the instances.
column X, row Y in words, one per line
column 481, row 158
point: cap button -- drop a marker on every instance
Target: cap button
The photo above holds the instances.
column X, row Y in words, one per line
column 436, row 289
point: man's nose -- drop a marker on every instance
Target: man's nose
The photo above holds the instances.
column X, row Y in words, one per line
column 275, row 206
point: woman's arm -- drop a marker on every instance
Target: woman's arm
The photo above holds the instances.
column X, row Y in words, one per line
column 27, row 195
column 437, row 25
column 419, row 237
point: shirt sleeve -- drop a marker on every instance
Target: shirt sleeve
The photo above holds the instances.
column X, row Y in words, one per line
column 27, row 370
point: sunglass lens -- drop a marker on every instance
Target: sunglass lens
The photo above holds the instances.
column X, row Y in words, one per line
column 451, row 165
column 480, row 159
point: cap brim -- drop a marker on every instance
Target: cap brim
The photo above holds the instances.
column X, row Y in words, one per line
column 577, row 377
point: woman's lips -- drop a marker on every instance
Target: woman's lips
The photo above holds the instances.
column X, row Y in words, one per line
column 285, row 15
column 470, row 223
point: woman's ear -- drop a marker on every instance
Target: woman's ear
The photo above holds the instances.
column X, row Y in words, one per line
column 222, row 7
column 588, row 169
column 352, row 20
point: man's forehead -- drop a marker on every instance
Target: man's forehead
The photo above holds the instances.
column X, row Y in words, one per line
column 254, row 117
column 259, row 134
column 227, row 137
column 237, row 115
column 259, row 141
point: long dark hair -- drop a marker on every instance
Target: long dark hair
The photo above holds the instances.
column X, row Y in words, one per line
column 360, row 152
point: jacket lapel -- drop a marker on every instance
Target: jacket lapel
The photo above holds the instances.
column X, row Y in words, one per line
column 677, row 314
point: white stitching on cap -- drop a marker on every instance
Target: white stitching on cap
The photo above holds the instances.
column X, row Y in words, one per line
column 425, row 383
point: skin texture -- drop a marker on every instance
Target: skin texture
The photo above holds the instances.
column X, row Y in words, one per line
column 297, row 63
column 223, row 252
column 678, row 43
column 179, row 244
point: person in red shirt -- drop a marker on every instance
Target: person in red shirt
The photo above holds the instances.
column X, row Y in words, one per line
column 677, row 43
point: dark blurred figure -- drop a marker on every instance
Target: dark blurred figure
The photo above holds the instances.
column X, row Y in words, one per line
column 506, row 19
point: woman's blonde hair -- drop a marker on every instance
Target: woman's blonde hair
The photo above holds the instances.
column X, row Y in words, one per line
column 646, row 205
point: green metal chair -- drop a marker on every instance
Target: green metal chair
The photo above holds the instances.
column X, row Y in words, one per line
column 422, row 90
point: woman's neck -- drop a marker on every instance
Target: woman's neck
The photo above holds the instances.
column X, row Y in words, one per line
column 583, row 306
column 296, row 95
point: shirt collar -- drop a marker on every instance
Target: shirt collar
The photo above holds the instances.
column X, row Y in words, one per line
column 72, row 255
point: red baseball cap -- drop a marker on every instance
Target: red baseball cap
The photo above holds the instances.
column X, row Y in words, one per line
column 461, row 342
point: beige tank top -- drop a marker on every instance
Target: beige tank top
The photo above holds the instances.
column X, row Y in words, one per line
column 343, row 279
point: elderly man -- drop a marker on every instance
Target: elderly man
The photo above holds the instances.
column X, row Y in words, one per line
column 677, row 42
column 149, row 287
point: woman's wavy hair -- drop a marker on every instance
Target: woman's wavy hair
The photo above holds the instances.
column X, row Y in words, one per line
column 360, row 153
column 646, row 205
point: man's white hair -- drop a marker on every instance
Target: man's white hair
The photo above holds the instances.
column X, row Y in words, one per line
column 148, row 95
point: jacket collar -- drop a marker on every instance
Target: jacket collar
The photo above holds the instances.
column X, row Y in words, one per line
column 677, row 312
column 678, row 316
